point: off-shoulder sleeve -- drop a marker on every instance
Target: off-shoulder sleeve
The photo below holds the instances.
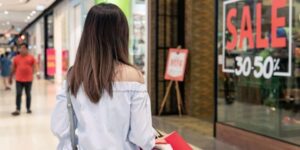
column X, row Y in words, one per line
column 60, row 120
column 141, row 131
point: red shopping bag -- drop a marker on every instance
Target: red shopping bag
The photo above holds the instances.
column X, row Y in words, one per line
column 177, row 142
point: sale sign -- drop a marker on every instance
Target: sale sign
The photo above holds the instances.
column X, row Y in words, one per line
column 258, row 37
column 176, row 64
column 50, row 62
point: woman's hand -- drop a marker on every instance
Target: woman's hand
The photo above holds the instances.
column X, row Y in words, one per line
column 160, row 141
column 161, row 144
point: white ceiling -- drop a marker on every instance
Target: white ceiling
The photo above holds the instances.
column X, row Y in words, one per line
column 15, row 12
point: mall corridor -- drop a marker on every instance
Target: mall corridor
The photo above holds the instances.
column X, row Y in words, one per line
column 32, row 131
column 207, row 74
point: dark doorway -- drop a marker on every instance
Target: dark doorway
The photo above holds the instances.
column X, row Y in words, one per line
column 169, row 27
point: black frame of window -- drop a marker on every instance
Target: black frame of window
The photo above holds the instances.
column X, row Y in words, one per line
column 216, row 68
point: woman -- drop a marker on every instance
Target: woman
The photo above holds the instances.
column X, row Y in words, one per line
column 109, row 96
column 5, row 64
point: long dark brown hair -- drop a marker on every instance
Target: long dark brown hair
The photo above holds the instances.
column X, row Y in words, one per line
column 103, row 44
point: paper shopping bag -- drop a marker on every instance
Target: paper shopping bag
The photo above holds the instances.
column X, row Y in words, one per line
column 177, row 142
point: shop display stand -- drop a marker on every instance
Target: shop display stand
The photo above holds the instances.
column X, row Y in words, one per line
column 178, row 95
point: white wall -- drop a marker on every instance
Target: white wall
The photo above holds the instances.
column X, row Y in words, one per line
column 77, row 11
column 69, row 18
column 74, row 30
column 40, row 43
column 59, row 16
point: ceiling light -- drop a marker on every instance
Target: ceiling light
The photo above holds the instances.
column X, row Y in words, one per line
column 23, row 37
column 21, row 1
column 1, row 4
column 40, row 7
column 7, row 22
column 28, row 17
column 5, row 12
column 32, row 13
column 7, row 35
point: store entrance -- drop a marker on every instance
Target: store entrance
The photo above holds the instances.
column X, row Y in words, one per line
column 49, row 65
column 169, row 26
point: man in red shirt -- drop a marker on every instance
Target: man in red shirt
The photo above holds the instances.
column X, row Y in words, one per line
column 24, row 66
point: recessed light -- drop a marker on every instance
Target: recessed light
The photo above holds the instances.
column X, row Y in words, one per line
column 7, row 22
column 32, row 13
column 40, row 7
column 23, row 37
column 1, row 4
column 7, row 35
column 28, row 17
column 5, row 12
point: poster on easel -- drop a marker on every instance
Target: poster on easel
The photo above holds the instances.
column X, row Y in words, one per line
column 176, row 64
column 175, row 70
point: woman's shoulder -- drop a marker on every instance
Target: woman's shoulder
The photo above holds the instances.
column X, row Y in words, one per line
column 126, row 73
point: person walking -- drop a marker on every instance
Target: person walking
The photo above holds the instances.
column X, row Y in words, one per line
column 108, row 94
column 24, row 66
column 5, row 64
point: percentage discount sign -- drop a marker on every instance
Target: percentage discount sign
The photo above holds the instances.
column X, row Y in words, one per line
column 261, row 67
column 276, row 64
column 258, row 66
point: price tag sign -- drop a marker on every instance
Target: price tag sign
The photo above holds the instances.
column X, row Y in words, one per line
column 176, row 64
column 258, row 38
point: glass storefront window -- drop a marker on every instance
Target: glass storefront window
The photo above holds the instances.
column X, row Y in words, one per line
column 259, row 67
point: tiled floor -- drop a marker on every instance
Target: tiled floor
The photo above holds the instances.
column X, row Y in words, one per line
column 197, row 132
column 32, row 132
column 28, row 132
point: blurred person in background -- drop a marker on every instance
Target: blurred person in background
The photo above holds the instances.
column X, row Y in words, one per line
column 5, row 66
column 108, row 94
column 14, row 51
column 24, row 67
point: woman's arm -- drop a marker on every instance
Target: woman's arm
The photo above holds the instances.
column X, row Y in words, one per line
column 60, row 120
column 141, row 130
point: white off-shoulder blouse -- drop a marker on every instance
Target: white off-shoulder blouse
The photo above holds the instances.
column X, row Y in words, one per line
column 121, row 122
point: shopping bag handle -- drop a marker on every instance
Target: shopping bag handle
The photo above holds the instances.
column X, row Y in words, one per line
column 160, row 135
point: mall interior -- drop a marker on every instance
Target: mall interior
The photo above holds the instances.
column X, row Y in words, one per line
column 239, row 86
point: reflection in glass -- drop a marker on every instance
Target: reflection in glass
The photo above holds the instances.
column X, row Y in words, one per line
column 256, row 93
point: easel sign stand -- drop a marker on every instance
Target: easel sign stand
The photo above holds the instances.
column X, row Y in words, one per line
column 176, row 65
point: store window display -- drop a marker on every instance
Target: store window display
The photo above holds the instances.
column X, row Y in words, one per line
column 139, row 35
column 259, row 73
